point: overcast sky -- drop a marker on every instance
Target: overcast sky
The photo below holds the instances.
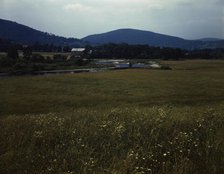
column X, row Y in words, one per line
column 190, row 19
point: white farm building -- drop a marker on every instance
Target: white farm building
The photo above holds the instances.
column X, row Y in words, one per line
column 77, row 52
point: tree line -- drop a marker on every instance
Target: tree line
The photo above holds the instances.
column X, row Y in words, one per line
column 21, row 59
column 30, row 61
column 125, row 51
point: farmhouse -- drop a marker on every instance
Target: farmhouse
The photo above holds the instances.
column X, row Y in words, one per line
column 77, row 52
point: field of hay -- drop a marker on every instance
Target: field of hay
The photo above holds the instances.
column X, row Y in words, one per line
column 125, row 121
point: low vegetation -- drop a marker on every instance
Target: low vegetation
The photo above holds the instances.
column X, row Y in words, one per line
column 126, row 121
column 122, row 140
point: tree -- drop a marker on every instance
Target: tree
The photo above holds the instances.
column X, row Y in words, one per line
column 12, row 55
column 27, row 53
column 66, row 49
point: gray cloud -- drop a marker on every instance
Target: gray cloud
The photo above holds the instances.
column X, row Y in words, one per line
column 75, row 18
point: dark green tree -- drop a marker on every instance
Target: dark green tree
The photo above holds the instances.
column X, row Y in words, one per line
column 66, row 49
column 12, row 55
column 27, row 53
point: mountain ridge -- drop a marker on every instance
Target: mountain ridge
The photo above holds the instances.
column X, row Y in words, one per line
column 135, row 36
column 26, row 35
column 132, row 36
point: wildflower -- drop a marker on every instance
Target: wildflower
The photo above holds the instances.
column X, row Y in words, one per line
column 171, row 142
column 49, row 168
column 164, row 154
column 60, row 121
column 104, row 125
column 38, row 134
column 131, row 154
column 119, row 128
column 159, row 145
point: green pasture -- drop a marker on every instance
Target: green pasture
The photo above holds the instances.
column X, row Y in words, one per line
column 123, row 88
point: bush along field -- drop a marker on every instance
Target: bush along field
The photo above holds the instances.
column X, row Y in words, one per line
column 155, row 140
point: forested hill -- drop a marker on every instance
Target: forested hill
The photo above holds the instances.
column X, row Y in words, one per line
column 132, row 36
column 26, row 35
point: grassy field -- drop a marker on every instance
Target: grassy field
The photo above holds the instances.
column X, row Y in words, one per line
column 126, row 121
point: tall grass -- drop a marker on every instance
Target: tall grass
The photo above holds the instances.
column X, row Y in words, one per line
column 128, row 140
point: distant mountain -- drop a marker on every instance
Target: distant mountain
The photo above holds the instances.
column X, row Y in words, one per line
column 132, row 36
column 26, row 35
column 210, row 39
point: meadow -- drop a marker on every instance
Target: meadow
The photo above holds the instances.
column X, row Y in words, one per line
column 124, row 121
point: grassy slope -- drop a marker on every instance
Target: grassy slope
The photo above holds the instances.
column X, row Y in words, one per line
column 129, row 121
